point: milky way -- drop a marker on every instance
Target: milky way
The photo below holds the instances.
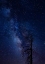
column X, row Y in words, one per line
column 17, row 20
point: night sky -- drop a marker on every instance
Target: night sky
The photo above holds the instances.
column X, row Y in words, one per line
column 14, row 16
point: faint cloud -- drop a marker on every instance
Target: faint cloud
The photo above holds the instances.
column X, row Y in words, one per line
column 6, row 12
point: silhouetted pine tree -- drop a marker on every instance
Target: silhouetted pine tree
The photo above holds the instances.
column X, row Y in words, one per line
column 27, row 49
